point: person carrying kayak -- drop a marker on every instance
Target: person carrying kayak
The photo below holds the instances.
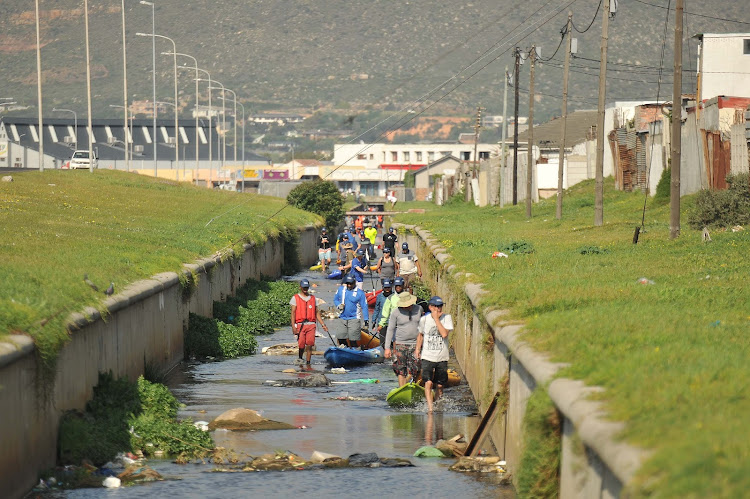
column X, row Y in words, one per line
column 387, row 266
column 433, row 348
column 305, row 312
column 324, row 249
column 390, row 304
column 380, row 302
column 408, row 265
column 352, row 306
column 358, row 268
column 389, row 240
column 403, row 329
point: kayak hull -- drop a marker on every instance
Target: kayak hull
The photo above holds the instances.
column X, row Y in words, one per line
column 369, row 340
column 407, row 395
column 341, row 356
column 336, row 274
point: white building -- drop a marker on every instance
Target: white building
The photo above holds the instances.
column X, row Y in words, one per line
column 406, row 156
column 723, row 65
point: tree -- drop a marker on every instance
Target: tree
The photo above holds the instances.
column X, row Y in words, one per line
column 320, row 197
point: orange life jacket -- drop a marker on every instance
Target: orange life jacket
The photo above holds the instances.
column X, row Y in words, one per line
column 305, row 311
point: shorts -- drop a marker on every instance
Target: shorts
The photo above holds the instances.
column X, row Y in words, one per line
column 404, row 362
column 408, row 278
column 349, row 328
column 437, row 372
column 324, row 254
column 306, row 335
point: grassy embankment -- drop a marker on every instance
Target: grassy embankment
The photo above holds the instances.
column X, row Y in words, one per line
column 672, row 355
column 116, row 227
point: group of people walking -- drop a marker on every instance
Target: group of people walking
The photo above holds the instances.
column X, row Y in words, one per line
column 417, row 342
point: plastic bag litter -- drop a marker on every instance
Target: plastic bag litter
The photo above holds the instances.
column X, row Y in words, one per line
column 645, row 281
column 428, row 451
column 499, row 254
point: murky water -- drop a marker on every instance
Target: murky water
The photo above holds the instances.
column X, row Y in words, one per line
column 333, row 426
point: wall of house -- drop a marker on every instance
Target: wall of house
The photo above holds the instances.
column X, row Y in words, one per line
column 720, row 57
column 145, row 326
column 491, row 353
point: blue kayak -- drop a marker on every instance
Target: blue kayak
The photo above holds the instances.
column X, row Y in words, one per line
column 336, row 274
column 343, row 356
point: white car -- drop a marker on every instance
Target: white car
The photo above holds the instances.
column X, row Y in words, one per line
column 80, row 159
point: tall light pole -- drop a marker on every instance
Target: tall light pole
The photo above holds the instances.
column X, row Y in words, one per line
column 153, row 62
column 176, row 122
column 75, row 121
column 599, row 174
column 195, row 62
column 242, row 186
column 128, row 143
column 234, row 98
column 39, row 84
column 210, row 130
column 223, row 121
column 88, row 87
column 125, row 85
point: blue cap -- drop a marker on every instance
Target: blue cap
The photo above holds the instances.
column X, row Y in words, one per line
column 323, row 230
column 349, row 279
column 405, row 245
column 399, row 281
column 386, row 250
column 346, row 236
column 390, row 229
column 387, row 283
column 436, row 301
column 360, row 252
column 304, row 283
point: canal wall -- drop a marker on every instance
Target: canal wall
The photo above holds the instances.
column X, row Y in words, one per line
column 143, row 325
column 494, row 358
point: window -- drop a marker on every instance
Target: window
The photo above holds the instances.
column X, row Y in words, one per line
column 419, row 156
column 407, row 157
column 368, row 188
column 484, row 155
column 746, row 46
column 444, row 154
column 394, row 156
column 372, row 156
column 361, row 156
column 430, row 156
column 465, row 155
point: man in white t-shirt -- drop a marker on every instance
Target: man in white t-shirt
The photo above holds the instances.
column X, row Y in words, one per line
column 433, row 348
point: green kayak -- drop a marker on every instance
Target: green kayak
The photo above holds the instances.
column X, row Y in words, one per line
column 409, row 394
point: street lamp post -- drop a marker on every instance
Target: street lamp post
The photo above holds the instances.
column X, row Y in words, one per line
column 125, row 85
column 197, row 143
column 153, row 62
column 75, row 122
column 165, row 103
column 210, row 129
column 88, row 87
column 223, row 121
column 128, row 142
column 176, row 123
column 243, row 133
column 39, row 83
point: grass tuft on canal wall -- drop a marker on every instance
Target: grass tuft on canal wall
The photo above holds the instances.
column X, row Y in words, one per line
column 116, row 227
column 670, row 350
column 258, row 307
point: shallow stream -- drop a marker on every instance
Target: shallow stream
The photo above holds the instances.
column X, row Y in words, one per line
column 340, row 427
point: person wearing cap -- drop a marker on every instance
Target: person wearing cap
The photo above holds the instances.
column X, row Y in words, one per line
column 305, row 312
column 408, row 264
column 433, row 349
column 389, row 240
column 352, row 305
column 380, row 302
column 365, row 244
column 390, row 304
column 339, row 240
column 346, row 250
column 324, row 249
column 403, row 329
column 358, row 268
column 387, row 266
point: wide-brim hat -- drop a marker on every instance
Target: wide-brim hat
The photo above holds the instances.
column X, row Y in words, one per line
column 406, row 300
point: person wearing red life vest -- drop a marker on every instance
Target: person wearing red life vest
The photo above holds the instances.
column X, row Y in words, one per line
column 305, row 312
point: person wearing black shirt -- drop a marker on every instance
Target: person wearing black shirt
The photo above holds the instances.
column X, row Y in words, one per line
column 389, row 240
column 324, row 249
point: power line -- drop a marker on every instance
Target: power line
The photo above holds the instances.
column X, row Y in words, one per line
column 696, row 14
column 596, row 14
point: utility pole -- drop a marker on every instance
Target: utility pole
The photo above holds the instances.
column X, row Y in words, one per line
column 599, row 198
column 674, row 194
column 516, row 76
column 504, row 132
column 39, row 90
column 564, row 117
column 475, row 165
column 530, row 142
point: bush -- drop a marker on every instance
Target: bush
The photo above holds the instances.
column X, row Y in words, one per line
column 663, row 188
column 320, row 197
column 523, row 247
column 723, row 208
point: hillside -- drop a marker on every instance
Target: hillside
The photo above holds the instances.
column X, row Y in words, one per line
column 305, row 54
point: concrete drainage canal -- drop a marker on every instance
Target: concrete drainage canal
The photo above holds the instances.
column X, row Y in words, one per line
column 339, row 419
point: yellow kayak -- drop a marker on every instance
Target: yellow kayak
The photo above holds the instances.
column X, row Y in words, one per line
column 453, row 378
column 368, row 339
column 316, row 267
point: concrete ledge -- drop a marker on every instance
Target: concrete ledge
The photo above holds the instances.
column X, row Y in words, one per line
column 14, row 347
column 609, row 464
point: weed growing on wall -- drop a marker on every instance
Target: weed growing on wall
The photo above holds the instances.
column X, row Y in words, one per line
column 539, row 473
column 126, row 416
